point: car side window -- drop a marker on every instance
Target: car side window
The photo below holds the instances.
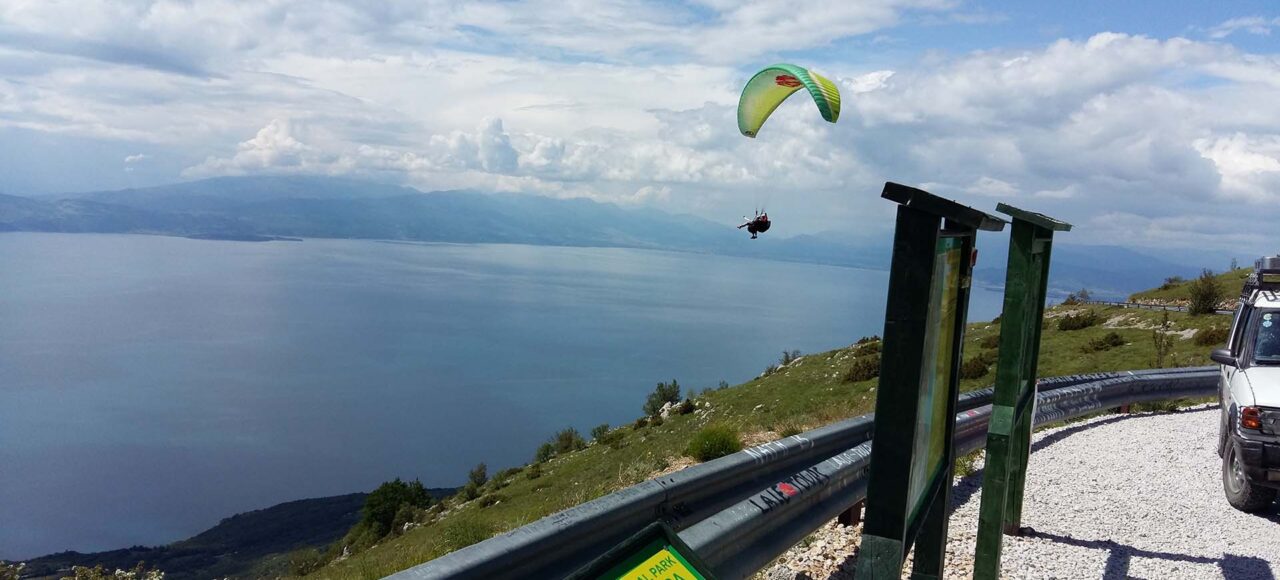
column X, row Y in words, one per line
column 1266, row 345
column 1237, row 329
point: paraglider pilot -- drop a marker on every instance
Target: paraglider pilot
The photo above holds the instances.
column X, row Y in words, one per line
column 757, row 225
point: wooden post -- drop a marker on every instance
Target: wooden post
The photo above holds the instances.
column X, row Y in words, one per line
column 1013, row 406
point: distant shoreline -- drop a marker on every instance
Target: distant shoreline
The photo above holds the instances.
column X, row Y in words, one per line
column 242, row 238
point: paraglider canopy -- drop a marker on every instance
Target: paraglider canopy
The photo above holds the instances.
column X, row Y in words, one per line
column 765, row 91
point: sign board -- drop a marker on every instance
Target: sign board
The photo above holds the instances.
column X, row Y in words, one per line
column 931, row 414
column 655, row 553
column 908, row 491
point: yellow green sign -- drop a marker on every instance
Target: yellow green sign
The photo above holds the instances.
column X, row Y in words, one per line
column 656, row 553
column 667, row 564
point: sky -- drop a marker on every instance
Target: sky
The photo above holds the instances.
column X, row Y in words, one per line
column 1151, row 125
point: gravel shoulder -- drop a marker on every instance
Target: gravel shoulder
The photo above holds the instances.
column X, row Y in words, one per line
column 1118, row 496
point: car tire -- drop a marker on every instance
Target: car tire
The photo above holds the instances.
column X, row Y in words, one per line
column 1241, row 493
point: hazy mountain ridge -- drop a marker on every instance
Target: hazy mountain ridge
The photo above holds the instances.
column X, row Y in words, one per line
column 256, row 208
column 230, row 547
column 322, row 207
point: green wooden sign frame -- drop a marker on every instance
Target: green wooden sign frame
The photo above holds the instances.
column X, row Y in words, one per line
column 654, row 538
column 909, row 487
column 1013, row 407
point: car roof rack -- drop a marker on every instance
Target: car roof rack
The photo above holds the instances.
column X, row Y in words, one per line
column 1265, row 277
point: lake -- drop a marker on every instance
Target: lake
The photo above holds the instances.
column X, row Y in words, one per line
column 150, row 386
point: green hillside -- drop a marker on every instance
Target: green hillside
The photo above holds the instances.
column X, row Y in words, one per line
column 1176, row 290
column 807, row 393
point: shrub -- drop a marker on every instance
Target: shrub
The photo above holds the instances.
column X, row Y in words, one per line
column 1205, row 294
column 1101, row 343
column 1080, row 297
column 545, row 452
column 568, row 440
column 973, row 368
column 992, row 341
column 1078, row 321
column 1162, row 342
column 1172, row 281
column 508, row 473
column 612, row 438
column 599, row 431
column 492, row 499
column 988, row 356
column 469, row 491
column 713, row 441
column 868, row 339
column 462, row 532
column 866, row 348
column 864, row 368
column 139, row 572
column 788, row 357
column 723, row 385
column 686, row 407
column 381, row 505
column 406, row 514
column 479, row 474
column 662, row 394
column 967, row 465
column 534, row 472
column 1211, row 336
column 656, row 421
column 769, row 370
column 640, row 423
column 301, row 562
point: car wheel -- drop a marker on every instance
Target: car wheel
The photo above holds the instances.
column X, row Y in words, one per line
column 1241, row 493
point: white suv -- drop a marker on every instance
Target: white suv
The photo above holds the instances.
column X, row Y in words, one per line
column 1249, row 392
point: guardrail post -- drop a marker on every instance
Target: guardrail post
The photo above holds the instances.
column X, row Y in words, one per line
column 909, row 487
column 1013, row 405
column 852, row 516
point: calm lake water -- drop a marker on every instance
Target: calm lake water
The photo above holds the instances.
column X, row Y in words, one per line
column 150, row 386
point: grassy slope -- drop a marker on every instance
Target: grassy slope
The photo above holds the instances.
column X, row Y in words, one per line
column 804, row 395
column 1231, row 283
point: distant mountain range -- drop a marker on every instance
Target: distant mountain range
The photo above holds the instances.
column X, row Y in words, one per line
column 275, row 207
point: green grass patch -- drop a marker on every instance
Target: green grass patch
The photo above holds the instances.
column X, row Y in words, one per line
column 714, row 441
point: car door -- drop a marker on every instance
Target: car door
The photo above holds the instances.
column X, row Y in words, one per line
column 1235, row 343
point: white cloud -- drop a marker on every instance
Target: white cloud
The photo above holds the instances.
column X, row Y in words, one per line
column 991, row 187
column 1102, row 124
column 1249, row 166
column 1257, row 25
column 623, row 101
column 274, row 149
column 136, row 158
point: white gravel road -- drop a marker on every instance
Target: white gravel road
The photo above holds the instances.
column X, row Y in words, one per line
column 1120, row 496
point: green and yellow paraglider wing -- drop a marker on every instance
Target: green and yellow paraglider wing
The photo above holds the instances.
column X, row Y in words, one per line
column 765, row 91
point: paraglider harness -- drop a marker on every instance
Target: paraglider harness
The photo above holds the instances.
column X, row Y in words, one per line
column 757, row 225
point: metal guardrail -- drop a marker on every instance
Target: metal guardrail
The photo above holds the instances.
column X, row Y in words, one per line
column 731, row 509
column 1142, row 306
column 742, row 539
